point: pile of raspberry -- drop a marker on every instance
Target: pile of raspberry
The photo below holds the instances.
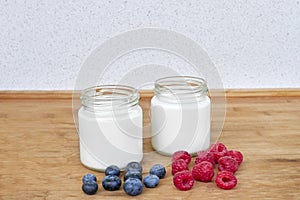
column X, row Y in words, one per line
column 228, row 162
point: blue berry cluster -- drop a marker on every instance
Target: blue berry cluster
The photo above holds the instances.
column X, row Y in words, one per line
column 112, row 181
column 133, row 179
column 157, row 172
column 90, row 185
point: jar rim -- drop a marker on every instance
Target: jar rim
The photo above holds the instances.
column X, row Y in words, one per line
column 180, row 85
column 103, row 96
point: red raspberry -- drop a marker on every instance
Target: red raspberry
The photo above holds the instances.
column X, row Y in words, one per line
column 228, row 163
column 183, row 180
column 237, row 155
column 205, row 156
column 203, row 171
column 184, row 155
column 226, row 180
column 219, row 150
column 178, row 166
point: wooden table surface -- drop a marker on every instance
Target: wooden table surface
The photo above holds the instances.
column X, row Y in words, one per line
column 40, row 156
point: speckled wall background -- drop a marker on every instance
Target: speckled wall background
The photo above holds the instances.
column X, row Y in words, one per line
column 253, row 44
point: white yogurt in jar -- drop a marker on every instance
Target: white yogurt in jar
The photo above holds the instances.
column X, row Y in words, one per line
column 180, row 115
column 110, row 127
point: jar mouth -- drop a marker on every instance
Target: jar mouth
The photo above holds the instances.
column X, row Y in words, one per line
column 108, row 96
column 180, row 85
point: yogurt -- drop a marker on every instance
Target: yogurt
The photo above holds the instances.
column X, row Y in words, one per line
column 110, row 127
column 180, row 115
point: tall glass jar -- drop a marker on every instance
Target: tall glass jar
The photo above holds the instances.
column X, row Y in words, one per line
column 180, row 115
column 110, row 126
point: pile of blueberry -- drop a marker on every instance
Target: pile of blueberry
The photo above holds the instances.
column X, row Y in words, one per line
column 133, row 178
column 228, row 163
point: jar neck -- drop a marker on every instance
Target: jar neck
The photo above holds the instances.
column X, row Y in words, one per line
column 181, row 89
column 109, row 97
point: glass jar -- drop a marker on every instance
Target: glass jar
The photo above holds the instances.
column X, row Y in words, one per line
column 180, row 115
column 110, row 126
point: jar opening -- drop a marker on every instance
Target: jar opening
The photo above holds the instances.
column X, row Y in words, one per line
column 181, row 86
column 105, row 97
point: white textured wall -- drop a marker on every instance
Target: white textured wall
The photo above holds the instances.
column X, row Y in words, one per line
column 254, row 44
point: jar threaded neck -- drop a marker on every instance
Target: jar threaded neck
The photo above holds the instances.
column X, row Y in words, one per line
column 107, row 97
column 181, row 86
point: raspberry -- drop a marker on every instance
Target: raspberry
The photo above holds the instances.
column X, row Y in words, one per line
column 178, row 166
column 184, row 155
column 219, row 150
column 237, row 155
column 203, row 171
column 226, row 180
column 228, row 163
column 183, row 180
column 205, row 156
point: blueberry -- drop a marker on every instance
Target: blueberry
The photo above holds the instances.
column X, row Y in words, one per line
column 89, row 177
column 133, row 174
column 133, row 186
column 90, row 187
column 112, row 170
column 158, row 170
column 151, row 181
column 134, row 165
column 111, row 182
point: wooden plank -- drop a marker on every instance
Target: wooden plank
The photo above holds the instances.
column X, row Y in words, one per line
column 67, row 94
column 39, row 153
column 263, row 92
column 56, row 94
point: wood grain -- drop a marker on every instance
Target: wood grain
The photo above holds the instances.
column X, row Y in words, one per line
column 40, row 157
